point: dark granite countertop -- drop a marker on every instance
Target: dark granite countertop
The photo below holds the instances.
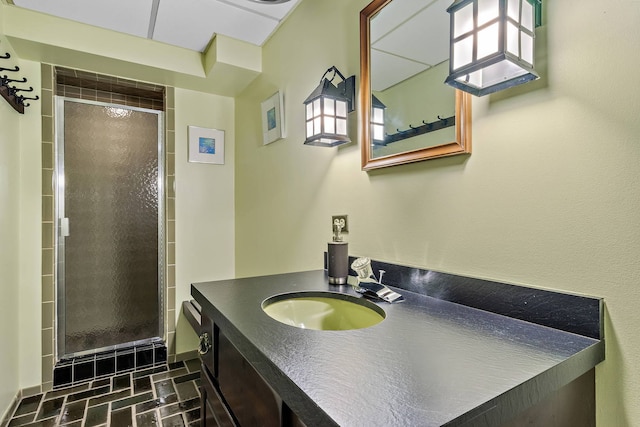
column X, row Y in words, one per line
column 431, row 362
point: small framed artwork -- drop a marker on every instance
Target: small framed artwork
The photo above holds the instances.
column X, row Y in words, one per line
column 206, row 145
column 273, row 118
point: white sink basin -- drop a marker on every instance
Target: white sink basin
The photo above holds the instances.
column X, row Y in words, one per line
column 325, row 311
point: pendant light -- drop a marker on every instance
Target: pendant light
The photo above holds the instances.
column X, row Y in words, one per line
column 492, row 44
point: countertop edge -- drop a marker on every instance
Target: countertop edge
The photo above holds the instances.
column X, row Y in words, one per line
column 506, row 406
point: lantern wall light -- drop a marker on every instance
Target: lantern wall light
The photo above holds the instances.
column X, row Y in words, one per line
column 326, row 110
column 492, row 44
column 377, row 120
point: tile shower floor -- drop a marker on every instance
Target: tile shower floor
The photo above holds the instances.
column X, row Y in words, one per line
column 166, row 395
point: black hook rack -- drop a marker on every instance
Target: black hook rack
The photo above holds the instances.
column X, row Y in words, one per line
column 425, row 127
column 10, row 93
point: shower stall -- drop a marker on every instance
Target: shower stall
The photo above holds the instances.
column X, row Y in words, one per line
column 109, row 226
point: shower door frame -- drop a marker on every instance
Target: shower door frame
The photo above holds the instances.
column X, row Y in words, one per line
column 59, row 244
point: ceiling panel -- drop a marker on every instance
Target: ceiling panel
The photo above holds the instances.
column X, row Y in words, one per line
column 125, row 16
column 192, row 23
column 388, row 70
column 424, row 37
column 186, row 23
column 277, row 11
column 395, row 14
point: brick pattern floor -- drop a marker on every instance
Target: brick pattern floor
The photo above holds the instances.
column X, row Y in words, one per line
column 166, row 395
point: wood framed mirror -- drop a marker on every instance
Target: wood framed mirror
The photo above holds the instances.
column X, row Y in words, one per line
column 408, row 114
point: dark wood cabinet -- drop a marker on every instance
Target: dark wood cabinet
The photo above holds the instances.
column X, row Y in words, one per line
column 213, row 410
column 233, row 392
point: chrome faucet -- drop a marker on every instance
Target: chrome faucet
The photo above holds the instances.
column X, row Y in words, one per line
column 367, row 283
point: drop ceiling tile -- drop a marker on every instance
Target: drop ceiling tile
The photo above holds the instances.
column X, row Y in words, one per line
column 394, row 14
column 423, row 37
column 277, row 11
column 388, row 70
column 192, row 23
column 125, row 16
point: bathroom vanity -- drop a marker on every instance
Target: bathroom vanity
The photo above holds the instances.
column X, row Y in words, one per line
column 457, row 351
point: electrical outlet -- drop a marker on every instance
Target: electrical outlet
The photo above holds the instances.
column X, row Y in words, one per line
column 345, row 229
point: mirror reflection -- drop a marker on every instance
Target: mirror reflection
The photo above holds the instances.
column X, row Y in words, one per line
column 405, row 61
column 409, row 63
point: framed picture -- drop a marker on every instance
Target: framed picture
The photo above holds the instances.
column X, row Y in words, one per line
column 206, row 145
column 273, row 118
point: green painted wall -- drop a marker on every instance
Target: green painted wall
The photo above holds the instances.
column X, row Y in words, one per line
column 549, row 197
column 9, row 243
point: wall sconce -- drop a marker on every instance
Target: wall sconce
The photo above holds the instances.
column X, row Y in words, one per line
column 326, row 111
column 377, row 120
column 492, row 44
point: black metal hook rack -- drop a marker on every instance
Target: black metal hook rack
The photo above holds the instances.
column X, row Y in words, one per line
column 425, row 127
column 11, row 93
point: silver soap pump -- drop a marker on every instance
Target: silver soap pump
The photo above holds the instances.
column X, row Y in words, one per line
column 338, row 255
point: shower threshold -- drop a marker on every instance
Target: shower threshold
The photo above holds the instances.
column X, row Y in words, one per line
column 80, row 368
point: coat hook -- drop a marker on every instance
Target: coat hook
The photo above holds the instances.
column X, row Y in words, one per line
column 5, row 56
column 33, row 99
column 5, row 79
column 15, row 89
column 16, row 68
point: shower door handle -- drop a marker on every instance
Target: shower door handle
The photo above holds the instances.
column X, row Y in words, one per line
column 64, row 227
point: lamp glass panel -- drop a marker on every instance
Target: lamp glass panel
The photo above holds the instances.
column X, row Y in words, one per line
column 329, row 106
column 329, row 124
column 317, row 126
column 378, row 132
column 309, row 128
column 377, row 116
column 472, row 79
column 341, row 108
column 341, row 126
column 512, row 39
column 488, row 41
column 316, row 107
column 513, row 10
column 309, row 108
column 499, row 72
column 527, row 15
column 463, row 20
column 463, row 52
column 526, row 47
column 488, row 10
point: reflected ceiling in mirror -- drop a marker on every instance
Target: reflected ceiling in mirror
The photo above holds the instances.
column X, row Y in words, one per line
column 404, row 51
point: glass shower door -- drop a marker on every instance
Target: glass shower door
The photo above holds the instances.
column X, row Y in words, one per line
column 109, row 204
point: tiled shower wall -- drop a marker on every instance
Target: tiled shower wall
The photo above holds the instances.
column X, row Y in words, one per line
column 106, row 89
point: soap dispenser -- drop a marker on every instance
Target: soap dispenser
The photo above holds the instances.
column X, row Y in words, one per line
column 338, row 255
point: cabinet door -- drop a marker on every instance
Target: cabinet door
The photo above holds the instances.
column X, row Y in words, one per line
column 249, row 397
column 213, row 411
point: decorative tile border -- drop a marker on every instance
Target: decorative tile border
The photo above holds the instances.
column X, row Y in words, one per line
column 81, row 369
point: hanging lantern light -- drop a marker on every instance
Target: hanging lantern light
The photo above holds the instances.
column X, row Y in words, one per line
column 377, row 120
column 326, row 111
column 492, row 44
